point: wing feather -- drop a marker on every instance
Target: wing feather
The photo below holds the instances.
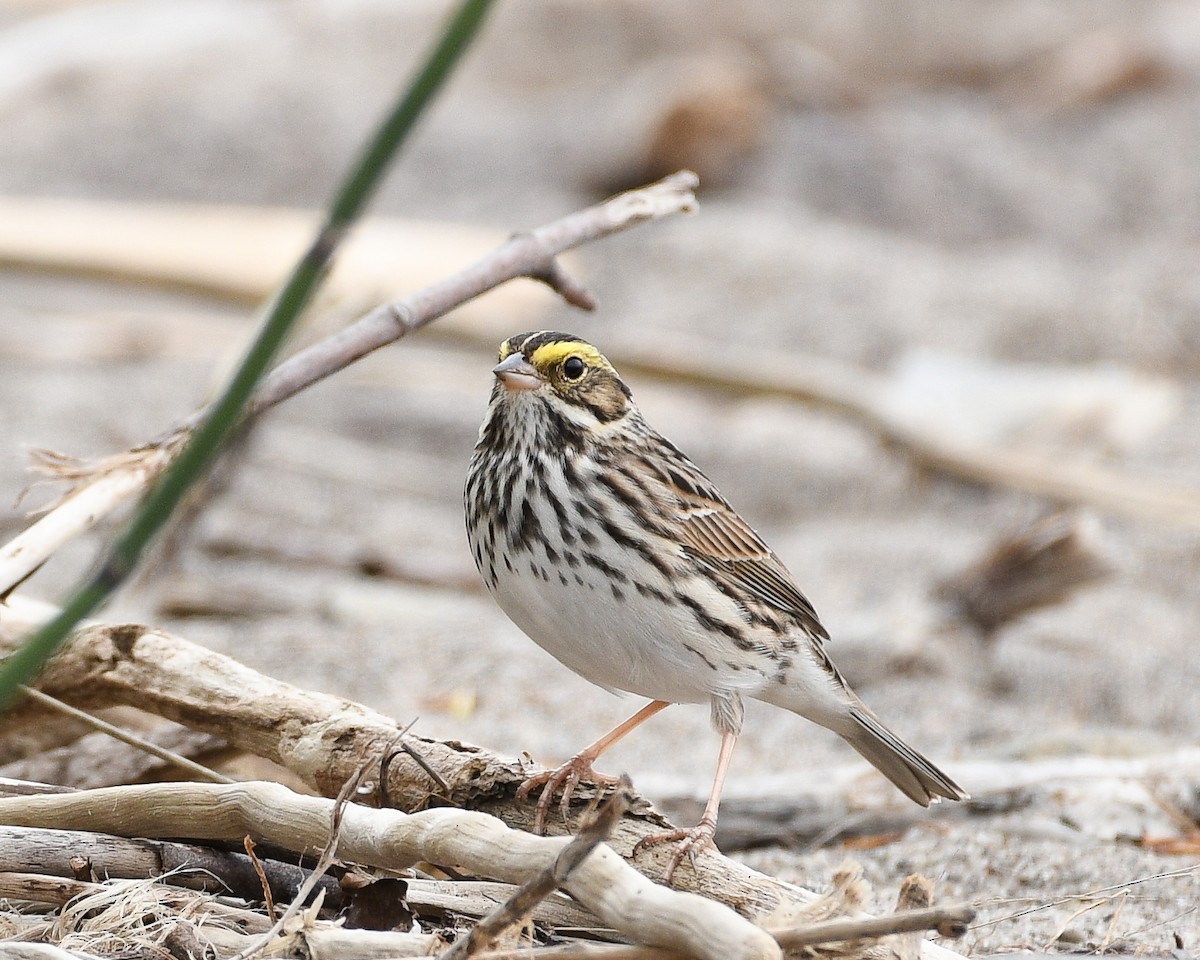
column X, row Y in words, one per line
column 728, row 547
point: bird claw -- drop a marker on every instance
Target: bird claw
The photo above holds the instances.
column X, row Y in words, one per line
column 566, row 778
column 691, row 843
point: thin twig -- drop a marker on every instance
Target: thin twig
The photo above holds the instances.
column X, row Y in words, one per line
column 127, row 736
column 530, row 254
column 522, row 903
column 268, row 896
column 948, row 921
column 524, row 255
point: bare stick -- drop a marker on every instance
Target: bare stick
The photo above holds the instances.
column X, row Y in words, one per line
column 524, row 255
column 128, row 737
column 948, row 921
column 521, row 904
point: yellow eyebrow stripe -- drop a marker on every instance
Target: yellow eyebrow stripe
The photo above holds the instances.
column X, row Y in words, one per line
column 550, row 354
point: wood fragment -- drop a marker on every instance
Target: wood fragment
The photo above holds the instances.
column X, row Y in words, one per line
column 517, row 908
column 49, row 852
column 909, row 921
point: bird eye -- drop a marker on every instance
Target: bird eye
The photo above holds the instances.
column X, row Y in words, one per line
column 574, row 368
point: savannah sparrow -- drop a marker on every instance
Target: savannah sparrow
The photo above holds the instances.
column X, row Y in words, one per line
column 616, row 555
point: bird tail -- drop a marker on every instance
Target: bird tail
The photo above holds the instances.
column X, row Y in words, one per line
column 916, row 776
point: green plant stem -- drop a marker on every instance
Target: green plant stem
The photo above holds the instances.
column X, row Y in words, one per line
column 199, row 453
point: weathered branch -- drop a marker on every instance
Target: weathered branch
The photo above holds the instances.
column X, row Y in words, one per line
column 603, row 882
column 553, row 877
column 60, row 852
column 325, row 740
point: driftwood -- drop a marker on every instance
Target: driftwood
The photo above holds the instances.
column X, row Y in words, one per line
column 481, row 844
column 91, row 856
column 326, row 741
column 593, row 875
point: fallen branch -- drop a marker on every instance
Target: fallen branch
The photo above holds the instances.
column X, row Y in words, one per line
column 324, row 740
column 521, row 904
column 86, row 855
column 603, row 882
column 525, row 255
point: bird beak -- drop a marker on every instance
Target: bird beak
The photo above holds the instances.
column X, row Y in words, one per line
column 517, row 373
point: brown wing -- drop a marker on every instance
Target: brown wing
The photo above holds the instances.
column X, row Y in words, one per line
column 720, row 540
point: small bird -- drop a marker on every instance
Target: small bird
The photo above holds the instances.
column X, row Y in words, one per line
column 616, row 555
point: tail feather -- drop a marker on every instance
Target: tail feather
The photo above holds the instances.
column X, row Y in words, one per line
column 919, row 779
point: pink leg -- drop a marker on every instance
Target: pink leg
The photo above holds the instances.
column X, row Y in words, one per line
column 567, row 776
column 701, row 835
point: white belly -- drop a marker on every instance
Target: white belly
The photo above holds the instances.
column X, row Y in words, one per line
column 631, row 642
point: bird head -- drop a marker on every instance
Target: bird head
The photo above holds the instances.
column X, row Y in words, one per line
column 564, row 371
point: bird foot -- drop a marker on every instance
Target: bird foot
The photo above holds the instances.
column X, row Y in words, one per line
column 691, row 842
column 565, row 779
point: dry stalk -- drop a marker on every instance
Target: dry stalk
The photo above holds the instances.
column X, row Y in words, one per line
column 127, row 737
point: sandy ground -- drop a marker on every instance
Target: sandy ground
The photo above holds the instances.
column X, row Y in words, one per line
column 912, row 177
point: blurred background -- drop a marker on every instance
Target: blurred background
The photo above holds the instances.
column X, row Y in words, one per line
column 983, row 215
